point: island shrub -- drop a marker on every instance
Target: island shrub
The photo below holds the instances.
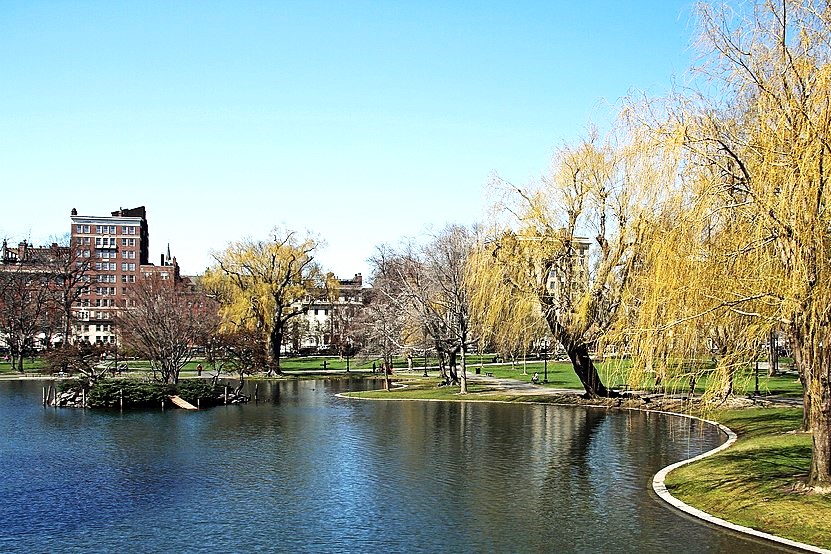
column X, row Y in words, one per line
column 108, row 394
column 200, row 391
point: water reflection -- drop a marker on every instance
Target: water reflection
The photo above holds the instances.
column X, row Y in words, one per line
column 303, row 470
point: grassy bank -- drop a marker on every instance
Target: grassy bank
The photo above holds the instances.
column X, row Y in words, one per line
column 755, row 483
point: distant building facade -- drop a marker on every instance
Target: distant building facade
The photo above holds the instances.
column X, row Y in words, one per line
column 34, row 277
column 325, row 325
column 117, row 249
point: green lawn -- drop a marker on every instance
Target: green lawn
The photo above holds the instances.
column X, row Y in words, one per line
column 29, row 365
column 755, row 483
column 560, row 374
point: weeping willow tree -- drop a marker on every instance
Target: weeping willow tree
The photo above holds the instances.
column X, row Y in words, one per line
column 681, row 328
column 566, row 251
column 752, row 213
column 263, row 285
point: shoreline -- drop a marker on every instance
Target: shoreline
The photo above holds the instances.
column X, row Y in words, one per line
column 506, row 390
column 556, row 397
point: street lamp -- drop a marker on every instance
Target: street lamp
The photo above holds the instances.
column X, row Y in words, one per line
column 348, row 351
column 425, row 351
column 545, row 360
column 756, row 391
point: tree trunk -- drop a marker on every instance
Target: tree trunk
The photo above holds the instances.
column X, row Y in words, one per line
column 814, row 362
column 582, row 363
column 587, row 372
column 386, row 369
column 773, row 357
column 451, row 365
column 802, row 371
column 275, row 343
column 241, row 383
column 463, row 388
column 820, row 474
column 442, row 365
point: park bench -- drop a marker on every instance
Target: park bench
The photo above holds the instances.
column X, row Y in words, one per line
column 489, row 374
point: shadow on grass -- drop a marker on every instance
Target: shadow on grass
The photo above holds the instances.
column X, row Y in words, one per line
column 754, row 423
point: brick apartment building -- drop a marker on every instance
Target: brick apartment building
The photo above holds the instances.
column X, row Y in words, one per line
column 117, row 249
column 114, row 253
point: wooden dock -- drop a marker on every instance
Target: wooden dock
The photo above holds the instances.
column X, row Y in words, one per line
column 182, row 403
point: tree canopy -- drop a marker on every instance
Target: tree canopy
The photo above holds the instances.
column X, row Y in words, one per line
column 261, row 285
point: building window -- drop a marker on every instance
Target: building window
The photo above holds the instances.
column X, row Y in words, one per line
column 124, row 268
column 86, row 228
column 97, row 241
column 124, row 229
column 132, row 268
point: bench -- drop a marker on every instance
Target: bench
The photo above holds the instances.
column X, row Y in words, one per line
column 489, row 374
column 622, row 387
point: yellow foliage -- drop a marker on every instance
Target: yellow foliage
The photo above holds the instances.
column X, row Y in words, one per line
column 260, row 285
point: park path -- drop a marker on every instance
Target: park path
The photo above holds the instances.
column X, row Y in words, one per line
column 515, row 386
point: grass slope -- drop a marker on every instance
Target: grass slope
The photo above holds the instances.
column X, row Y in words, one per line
column 755, row 483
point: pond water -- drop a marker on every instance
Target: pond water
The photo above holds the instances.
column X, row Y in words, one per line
column 307, row 471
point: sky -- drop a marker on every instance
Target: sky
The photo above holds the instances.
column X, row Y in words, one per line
column 359, row 122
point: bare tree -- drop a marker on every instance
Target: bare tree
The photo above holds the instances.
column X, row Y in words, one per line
column 25, row 297
column 165, row 322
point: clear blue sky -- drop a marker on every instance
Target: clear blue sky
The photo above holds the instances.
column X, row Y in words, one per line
column 363, row 122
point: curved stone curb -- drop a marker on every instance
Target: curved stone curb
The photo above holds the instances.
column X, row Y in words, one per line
column 659, row 486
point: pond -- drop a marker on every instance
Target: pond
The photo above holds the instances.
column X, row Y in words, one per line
column 307, row 471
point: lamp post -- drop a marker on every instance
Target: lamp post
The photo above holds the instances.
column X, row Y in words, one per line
column 348, row 351
column 545, row 360
column 425, row 351
column 756, row 392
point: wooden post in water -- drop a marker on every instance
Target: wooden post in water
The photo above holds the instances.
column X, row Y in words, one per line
column 121, row 398
column 83, row 397
column 162, row 404
column 256, row 393
column 44, row 396
column 226, row 394
column 198, row 403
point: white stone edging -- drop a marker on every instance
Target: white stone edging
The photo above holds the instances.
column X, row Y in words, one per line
column 660, row 488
